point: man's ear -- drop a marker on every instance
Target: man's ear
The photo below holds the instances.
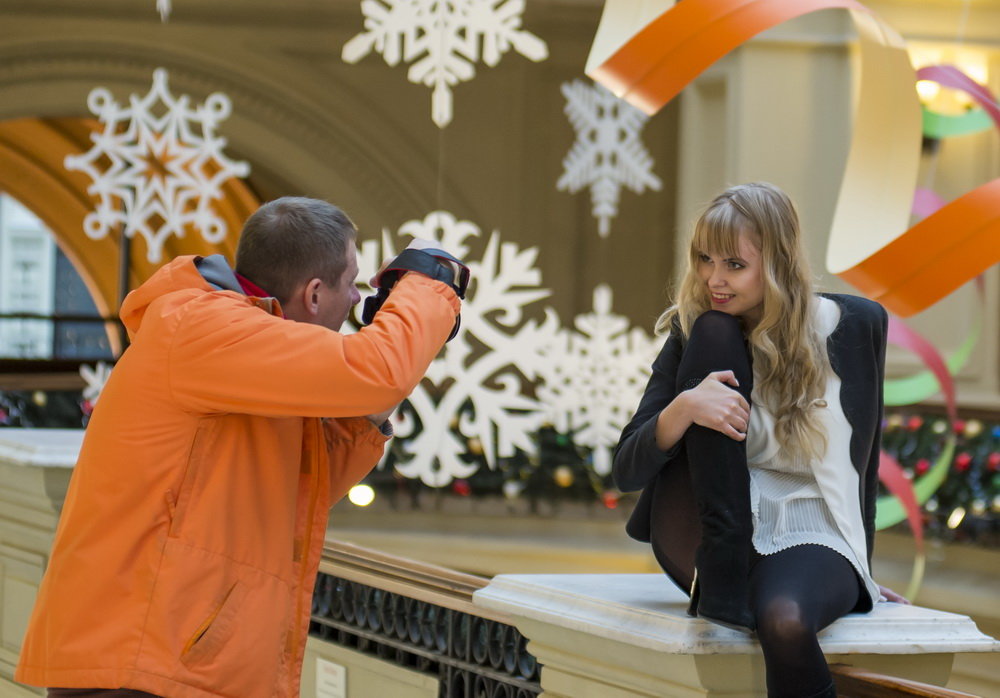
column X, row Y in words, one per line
column 303, row 304
column 310, row 296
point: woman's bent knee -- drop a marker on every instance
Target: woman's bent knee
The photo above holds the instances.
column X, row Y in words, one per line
column 717, row 326
column 716, row 343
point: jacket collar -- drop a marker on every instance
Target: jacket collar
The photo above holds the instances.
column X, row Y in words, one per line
column 217, row 273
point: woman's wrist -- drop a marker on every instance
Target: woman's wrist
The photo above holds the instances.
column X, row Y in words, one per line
column 672, row 422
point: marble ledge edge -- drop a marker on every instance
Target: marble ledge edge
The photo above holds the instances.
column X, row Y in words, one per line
column 46, row 448
column 941, row 632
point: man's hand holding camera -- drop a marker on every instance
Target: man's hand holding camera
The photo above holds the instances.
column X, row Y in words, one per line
column 423, row 257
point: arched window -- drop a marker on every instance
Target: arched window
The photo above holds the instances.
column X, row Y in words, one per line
column 46, row 311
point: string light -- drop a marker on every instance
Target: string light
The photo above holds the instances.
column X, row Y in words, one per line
column 361, row 495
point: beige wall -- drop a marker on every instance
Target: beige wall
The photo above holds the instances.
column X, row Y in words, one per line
column 362, row 675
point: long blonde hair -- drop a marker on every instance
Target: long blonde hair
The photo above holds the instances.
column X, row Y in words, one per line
column 790, row 361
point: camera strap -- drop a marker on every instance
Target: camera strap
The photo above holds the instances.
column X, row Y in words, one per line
column 426, row 262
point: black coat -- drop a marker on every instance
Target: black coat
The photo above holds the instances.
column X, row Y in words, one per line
column 666, row 510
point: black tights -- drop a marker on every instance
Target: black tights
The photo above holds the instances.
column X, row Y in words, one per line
column 791, row 595
column 794, row 594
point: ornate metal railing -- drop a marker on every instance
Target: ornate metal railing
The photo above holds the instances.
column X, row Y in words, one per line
column 420, row 617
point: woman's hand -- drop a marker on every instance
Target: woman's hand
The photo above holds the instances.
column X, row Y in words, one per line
column 711, row 404
column 892, row 596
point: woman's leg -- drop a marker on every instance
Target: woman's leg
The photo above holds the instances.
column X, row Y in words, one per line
column 795, row 593
column 719, row 476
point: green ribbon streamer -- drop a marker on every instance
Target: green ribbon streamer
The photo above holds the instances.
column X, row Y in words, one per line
column 889, row 509
column 938, row 125
column 907, row 391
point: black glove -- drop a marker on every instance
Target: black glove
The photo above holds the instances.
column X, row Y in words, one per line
column 434, row 263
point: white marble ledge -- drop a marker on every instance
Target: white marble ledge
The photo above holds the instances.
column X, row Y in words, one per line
column 647, row 610
column 45, row 448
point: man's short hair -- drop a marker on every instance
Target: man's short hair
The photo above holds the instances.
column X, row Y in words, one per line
column 291, row 240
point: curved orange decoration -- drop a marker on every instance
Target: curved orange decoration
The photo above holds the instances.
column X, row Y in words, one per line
column 646, row 56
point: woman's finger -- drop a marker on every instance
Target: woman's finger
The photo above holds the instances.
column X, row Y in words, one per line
column 725, row 377
column 734, row 433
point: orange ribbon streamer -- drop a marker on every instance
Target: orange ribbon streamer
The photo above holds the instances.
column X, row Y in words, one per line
column 647, row 56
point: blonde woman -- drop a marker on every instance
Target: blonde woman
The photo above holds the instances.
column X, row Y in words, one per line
column 756, row 442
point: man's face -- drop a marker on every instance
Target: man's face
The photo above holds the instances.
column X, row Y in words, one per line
column 338, row 298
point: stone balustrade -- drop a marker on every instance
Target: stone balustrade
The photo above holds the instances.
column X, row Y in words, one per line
column 628, row 635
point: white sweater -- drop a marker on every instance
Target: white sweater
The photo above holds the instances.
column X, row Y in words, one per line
column 797, row 503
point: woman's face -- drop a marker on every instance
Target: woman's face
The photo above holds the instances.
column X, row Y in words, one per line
column 735, row 284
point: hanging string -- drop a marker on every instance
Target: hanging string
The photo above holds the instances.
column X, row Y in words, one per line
column 963, row 22
column 439, row 194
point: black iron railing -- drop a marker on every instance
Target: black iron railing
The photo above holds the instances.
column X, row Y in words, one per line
column 471, row 656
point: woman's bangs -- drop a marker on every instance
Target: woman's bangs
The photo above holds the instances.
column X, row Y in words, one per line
column 718, row 232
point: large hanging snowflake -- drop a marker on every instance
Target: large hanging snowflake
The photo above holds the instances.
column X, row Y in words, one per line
column 595, row 378
column 441, row 40
column 503, row 376
column 480, row 384
column 607, row 153
column 157, row 166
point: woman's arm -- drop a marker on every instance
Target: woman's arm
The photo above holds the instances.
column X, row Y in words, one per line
column 654, row 435
column 638, row 457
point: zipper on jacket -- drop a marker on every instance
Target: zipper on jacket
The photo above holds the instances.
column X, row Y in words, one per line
column 207, row 623
column 171, row 504
column 307, row 542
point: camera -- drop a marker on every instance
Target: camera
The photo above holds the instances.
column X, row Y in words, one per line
column 434, row 263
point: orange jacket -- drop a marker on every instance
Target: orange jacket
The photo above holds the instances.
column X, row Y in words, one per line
column 188, row 546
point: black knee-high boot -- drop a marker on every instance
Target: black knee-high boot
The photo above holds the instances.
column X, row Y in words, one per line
column 720, row 478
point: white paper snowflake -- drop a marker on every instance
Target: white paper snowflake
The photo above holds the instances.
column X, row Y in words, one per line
column 595, row 377
column 503, row 376
column 607, row 153
column 157, row 166
column 441, row 40
column 163, row 7
column 95, row 379
column 480, row 385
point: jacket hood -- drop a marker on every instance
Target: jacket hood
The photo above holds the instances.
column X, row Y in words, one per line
column 206, row 274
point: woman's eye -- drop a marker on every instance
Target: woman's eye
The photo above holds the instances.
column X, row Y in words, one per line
column 735, row 265
column 704, row 258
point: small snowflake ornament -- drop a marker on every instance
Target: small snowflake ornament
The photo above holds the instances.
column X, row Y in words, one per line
column 595, row 377
column 442, row 40
column 607, row 154
column 95, row 379
column 163, row 7
column 157, row 166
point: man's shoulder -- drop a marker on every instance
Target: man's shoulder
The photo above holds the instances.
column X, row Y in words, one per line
column 193, row 307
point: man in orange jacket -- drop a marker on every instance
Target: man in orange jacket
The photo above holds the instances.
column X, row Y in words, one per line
column 186, row 553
